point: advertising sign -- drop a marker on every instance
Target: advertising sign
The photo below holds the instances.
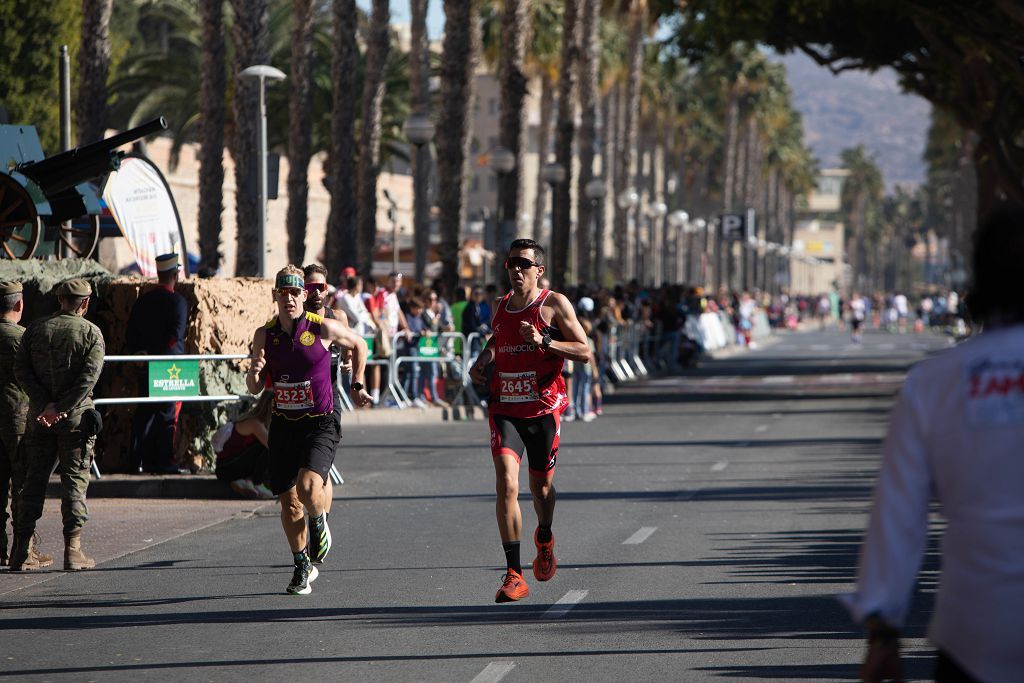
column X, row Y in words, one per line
column 174, row 378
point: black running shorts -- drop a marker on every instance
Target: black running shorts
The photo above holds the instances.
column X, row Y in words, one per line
column 536, row 436
column 303, row 443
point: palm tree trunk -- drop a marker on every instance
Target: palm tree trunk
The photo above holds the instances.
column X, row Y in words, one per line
column 419, row 88
column 585, row 209
column 251, row 47
column 93, row 65
column 515, row 29
column 458, row 63
column 723, row 260
column 300, row 128
column 213, row 81
column 565, row 132
column 608, row 177
column 547, row 110
column 340, row 246
column 631, row 119
column 377, row 44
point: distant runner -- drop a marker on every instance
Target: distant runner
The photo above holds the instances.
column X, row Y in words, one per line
column 535, row 330
column 292, row 350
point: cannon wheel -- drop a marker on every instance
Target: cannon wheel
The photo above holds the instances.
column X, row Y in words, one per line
column 79, row 237
column 20, row 225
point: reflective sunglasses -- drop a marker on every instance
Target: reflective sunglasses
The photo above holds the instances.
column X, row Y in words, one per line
column 316, row 287
column 519, row 263
column 293, row 292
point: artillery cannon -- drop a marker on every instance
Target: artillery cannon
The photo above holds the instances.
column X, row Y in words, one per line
column 39, row 194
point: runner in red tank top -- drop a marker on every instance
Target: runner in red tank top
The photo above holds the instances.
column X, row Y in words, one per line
column 535, row 331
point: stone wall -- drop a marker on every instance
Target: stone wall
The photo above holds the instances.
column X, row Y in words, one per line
column 223, row 314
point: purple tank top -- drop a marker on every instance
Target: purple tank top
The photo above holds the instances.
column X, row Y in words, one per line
column 300, row 368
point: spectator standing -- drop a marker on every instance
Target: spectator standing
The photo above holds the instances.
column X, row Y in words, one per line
column 956, row 432
column 156, row 327
column 13, row 412
column 58, row 364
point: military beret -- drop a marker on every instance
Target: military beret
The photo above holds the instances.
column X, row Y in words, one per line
column 10, row 287
column 75, row 287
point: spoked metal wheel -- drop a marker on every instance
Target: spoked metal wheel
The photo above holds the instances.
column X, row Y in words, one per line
column 20, row 225
column 79, row 238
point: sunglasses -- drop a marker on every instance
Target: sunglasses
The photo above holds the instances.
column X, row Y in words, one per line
column 519, row 263
column 293, row 292
column 316, row 287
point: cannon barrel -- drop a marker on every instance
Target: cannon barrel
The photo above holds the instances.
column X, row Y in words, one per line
column 63, row 171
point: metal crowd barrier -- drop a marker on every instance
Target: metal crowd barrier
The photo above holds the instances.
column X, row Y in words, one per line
column 335, row 476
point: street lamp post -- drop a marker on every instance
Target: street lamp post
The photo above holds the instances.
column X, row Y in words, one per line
column 594, row 191
column 419, row 131
column 262, row 72
column 678, row 219
column 553, row 174
column 627, row 200
column 502, row 162
column 654, row 212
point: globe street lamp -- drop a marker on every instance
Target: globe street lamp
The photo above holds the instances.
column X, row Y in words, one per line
column 594, row 191
column 627, row 200
column 654, row 212
column 553, row 173
column 262, row 72
column 679, row 219
column 419, row 131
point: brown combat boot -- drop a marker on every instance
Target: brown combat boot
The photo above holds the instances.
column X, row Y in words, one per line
column 74, row 559
column 40, row 557
column 21, row 554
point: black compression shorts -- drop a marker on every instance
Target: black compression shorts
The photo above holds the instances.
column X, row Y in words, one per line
column 303, row 443
column 536, row 436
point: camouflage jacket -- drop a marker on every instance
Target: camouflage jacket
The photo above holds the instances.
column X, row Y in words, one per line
column 13, row 401
column 59, row 362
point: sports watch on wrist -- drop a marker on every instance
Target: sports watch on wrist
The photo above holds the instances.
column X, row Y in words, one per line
column 357, row 386
column 545, row 341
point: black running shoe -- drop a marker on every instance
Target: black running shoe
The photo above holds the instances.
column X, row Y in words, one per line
column 303, row 577
column 319, row 538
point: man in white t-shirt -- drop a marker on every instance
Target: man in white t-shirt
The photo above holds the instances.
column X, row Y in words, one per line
column 858, row 311
column 957, row 432
column 899, row 302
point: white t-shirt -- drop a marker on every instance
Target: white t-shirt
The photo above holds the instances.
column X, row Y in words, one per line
column 900, row 303
column 857, row 308
column 359, row 318
column 957, row 431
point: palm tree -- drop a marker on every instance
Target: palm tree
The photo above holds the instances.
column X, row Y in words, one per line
column 458, row 62
column 589, row 65
column 631, row 116
column 377, row 46
column 93, row 65
column 340, row 240
column 250, row 37
column 515, row 29
column 419, row 86
column 565, row 131
column 213, row 85
column 300, row 127
column 861, row 193
column 542, row 61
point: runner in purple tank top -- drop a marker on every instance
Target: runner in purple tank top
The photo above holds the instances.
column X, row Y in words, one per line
column 291, row 357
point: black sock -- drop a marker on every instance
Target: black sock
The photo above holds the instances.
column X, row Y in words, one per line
column 543, row 533
column 301, row 557
column 512, row 560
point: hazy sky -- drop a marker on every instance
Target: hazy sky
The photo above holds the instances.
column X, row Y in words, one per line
column 400, row 15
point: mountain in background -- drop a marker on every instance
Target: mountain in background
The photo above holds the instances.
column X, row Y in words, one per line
column 858, row 107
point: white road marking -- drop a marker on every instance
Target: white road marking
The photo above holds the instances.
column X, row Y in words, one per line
column 640, row 536
column 494, row 672
column 762, row 428
column 720, row 465
column 780, row 379
column 566, row 603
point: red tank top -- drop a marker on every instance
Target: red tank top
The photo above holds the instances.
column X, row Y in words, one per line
column 527, row 381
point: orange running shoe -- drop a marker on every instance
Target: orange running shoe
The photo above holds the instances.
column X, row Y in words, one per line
column 513, row 587
column 544, row 564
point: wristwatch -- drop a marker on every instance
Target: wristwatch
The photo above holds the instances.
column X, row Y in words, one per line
column 357, row 386
column 545, row 341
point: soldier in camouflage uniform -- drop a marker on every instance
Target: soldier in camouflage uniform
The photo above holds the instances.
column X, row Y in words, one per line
column 13, row 407
column 58, row 364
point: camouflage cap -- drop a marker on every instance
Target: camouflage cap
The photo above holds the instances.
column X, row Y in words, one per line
column 10, row 287
column 75, row 287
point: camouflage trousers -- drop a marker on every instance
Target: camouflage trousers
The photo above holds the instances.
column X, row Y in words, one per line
column 65, row 447
column 12, row 474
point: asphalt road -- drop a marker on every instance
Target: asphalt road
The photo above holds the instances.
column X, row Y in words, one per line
column 704, row 525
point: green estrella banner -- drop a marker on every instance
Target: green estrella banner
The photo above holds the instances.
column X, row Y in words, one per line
column 174, row 378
